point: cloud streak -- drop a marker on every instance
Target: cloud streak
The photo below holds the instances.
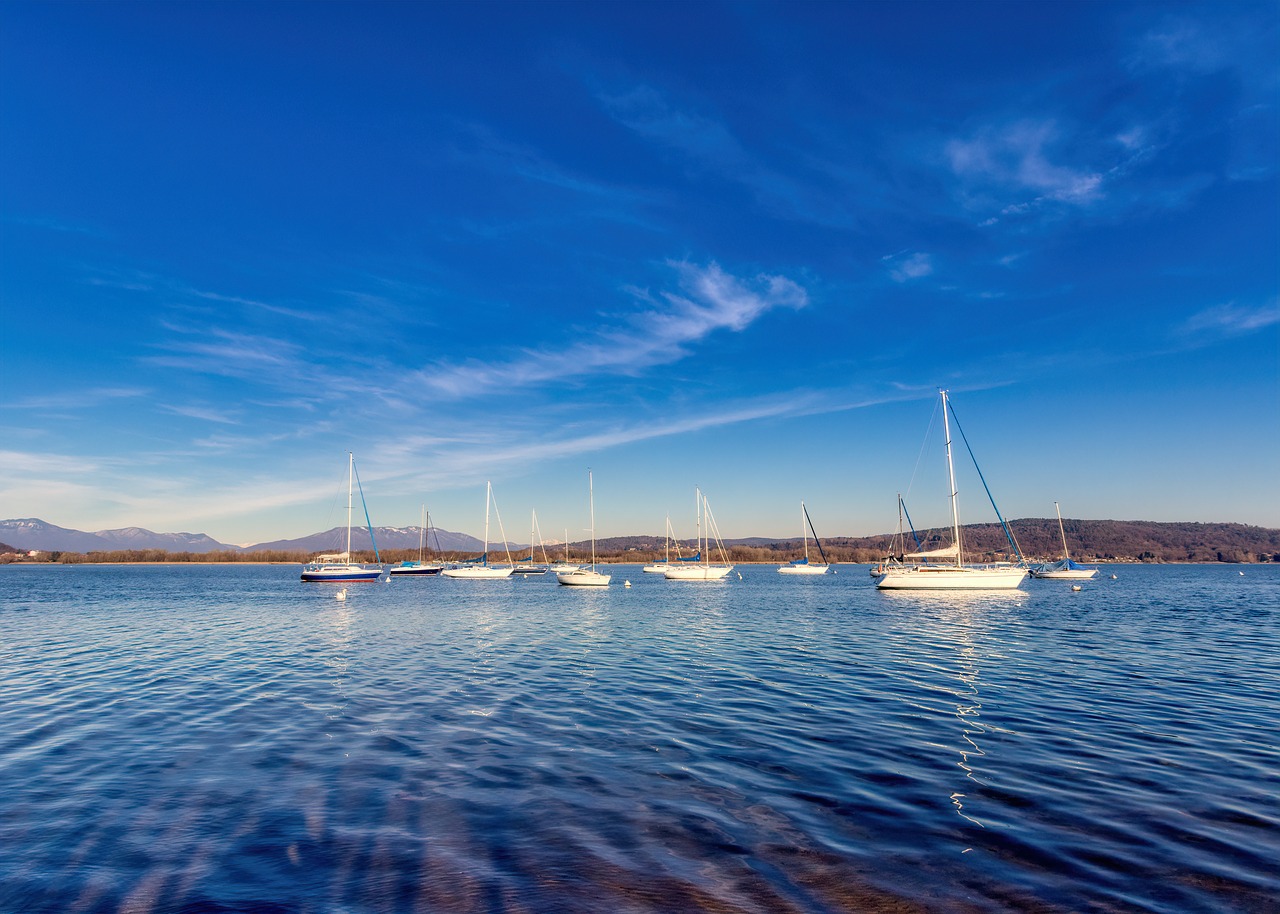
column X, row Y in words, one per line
column 708, row 300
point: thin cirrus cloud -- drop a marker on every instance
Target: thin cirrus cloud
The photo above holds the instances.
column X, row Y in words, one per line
column 1231, row 319
column 709, row 299
column 905, row 267
column 710, row 145
column 1017, row 158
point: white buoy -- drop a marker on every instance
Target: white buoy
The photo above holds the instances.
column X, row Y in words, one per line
column 1075, row 586
column 626, row 583
column 740, row 575
column 341, row 594
column 1242, row 574
column 1113, row 577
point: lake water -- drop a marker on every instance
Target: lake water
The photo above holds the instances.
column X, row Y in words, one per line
column 226, row 738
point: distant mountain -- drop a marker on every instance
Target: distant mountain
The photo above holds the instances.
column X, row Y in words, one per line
column 138, row 538
column 335, row 540
column 32, row 533
column 29, row 533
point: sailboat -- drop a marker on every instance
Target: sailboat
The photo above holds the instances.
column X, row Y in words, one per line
column 566, row 565
column 419, row 567
column 480, row 568
column 952, row 574
column 587, row 577
column 526, row 567
column 704, row 569
column 1064, row 570
column 660, row 567
column 802, row 565
column 339, row 568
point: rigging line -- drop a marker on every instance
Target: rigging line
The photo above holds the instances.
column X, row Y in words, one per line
column 368, row 523
column 928, row 433
column 1003, row 523
column 817, row 541
column 911, row 524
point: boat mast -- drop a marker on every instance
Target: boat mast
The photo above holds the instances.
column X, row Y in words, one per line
column 1066, row 555
column 422, row 532
column 591, row 496
column 697, row 503
column 804, row 531
column 951, row 475
column 488, row 494
column 351, row 475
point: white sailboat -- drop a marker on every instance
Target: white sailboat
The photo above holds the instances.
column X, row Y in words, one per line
column 951, row 575
column 704, row 570
column 1064, row 570
column 803, row 565
column 660, row 567
column 587, row 577
column 339, row 568
column 419, row 567
column 480, row 568
column 526, row 567
column 566, row 565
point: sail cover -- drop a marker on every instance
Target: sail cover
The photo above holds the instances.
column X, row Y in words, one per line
column 947, row 552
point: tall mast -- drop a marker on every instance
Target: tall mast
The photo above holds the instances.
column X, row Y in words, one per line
column 351, row 474
column 1061, row 532
column 804, row 531
column 591, row 496
column 698, row 517
column 488, row 493
column 951, row 474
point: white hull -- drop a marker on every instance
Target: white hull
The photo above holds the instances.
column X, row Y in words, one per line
column 584, row 577
column 803, row 569
column 477, row 572
column 659, row 568
column 950, row 577
column 340, row 574
column 416, row 568
column 697, row 573
column 1066, row 574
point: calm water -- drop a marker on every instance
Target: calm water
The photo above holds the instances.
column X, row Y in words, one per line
column 205, row 739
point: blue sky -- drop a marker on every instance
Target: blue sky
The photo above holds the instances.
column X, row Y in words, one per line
column 735, row 246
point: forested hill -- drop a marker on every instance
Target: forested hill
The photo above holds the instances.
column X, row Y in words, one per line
column 1038, row 538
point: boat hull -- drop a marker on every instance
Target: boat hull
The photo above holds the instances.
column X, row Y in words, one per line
column 659, row 568
column 525, row 570
column 340, row 574
column 950, row 577
column 584, row 577
column 479, row 572
column 803, row 569
column 414, row 569
column 697, row 573
column 1066, row 574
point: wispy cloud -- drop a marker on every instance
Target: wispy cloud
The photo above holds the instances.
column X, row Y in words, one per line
column 236, row 355
column 712, row 147
column 904, row 267
column 1183, row 43
column 708, row 299
column 1231, row 319
column 203, row 413
column 79, row 399
column 1016, row 158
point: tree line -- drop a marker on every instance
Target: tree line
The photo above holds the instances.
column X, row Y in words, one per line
column 1037, row 538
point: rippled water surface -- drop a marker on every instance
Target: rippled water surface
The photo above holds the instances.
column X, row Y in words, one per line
column 223, row 738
